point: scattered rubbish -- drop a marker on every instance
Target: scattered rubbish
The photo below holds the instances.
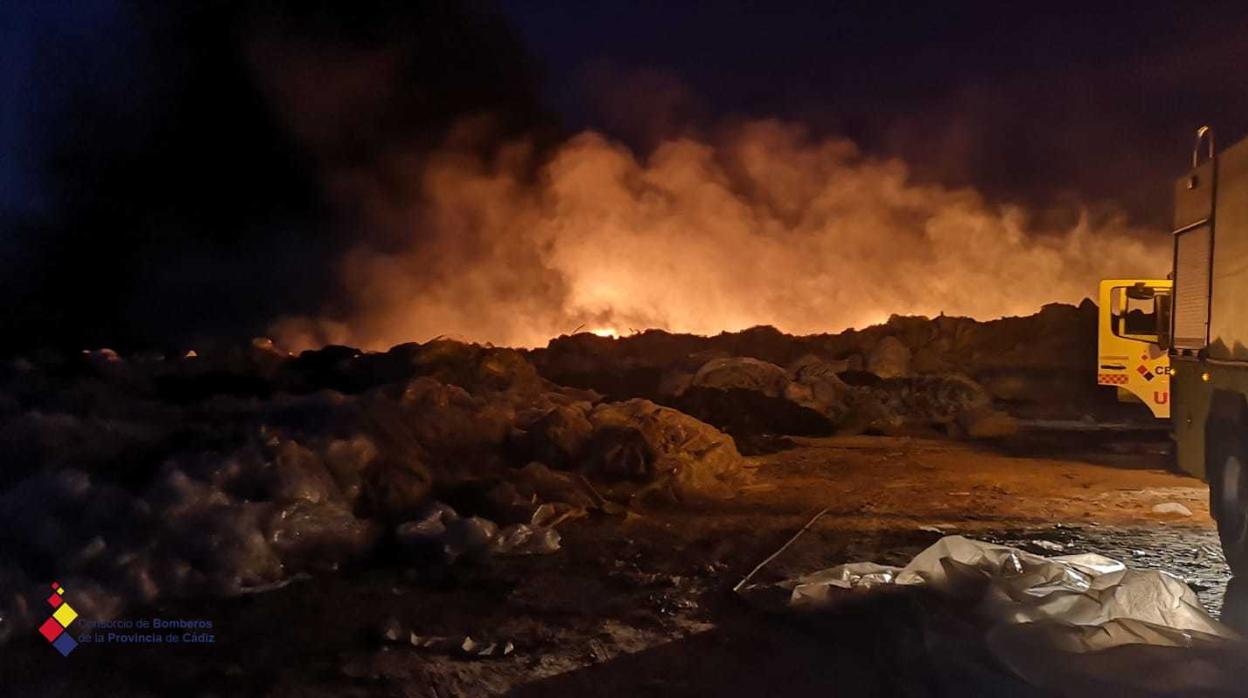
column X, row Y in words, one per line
column 816, row 587
column 1172, row 508
column 274, row 586
column 394, row 632
column 550, row 515
column 1048, row 545
column 537, row 480
column 933, row 529
column 467, row 535
column 539, row 496
column 430, row 526
column 441, row 526
column 520, row 539
column 471, row 648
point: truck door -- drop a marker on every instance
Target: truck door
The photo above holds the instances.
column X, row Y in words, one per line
column 1132, row 337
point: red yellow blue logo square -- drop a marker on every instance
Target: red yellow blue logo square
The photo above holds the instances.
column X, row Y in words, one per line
column 56, row 628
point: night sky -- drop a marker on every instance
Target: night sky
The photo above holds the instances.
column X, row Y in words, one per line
column 1026, row 101
column 137, row 130
column 1023, row 100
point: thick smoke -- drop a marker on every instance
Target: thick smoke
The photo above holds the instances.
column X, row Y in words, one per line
column 762, row 225
column 378, row 172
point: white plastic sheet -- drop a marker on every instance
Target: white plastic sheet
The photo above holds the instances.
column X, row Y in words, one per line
column 1103, row 603
column 1074, row 625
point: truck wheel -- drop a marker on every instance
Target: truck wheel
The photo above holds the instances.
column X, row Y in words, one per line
column 1228, row 498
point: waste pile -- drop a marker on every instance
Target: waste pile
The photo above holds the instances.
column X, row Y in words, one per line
column 952, row 375
column 140, row 478
column 234, row 468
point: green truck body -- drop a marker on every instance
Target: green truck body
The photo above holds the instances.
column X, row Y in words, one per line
column 1208, row 337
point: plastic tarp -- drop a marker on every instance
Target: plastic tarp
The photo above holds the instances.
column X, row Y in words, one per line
column 1019, row 587
column 1085, row 621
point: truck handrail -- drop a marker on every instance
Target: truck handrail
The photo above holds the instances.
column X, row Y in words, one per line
column 1201, row 134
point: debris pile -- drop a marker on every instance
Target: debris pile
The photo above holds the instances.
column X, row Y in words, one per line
column 232, row 468
column 912, row 374
column 1057, row 343
column 134, row 479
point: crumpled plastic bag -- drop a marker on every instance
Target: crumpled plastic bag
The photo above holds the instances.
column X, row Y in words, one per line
column 457, row 536
column 1101, row 602
column 395, row 632
column 521, row 539
column 1074, row 624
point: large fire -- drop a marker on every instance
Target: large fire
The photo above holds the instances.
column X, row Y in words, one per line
column 763, row 226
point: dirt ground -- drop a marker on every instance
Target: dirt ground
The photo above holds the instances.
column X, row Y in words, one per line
column 641, row 604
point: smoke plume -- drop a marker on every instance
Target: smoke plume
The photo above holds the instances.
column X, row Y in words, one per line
column 761, row 225
column 375, row 172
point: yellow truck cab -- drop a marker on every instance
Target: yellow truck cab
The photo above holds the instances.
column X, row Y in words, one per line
column 1133, row 322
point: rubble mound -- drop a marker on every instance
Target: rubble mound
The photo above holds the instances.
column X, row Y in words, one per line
column 1038, row 365
column 889, row 358
column 747, row 397
column 640, row 441
column 902, row 405
column 234, row 468
column 742, row 373
column 228, row 471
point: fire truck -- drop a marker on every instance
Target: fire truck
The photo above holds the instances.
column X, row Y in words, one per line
column 1180, row 345
column 1207, row 335
column 1131, row 356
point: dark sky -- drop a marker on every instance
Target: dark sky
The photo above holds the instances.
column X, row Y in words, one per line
column 1023, row 100
column 27, row 27
column 161, row 154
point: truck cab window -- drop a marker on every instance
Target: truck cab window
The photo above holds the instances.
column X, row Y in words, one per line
column 1136, row 312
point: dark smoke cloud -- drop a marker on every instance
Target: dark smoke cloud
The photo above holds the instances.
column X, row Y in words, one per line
column 376, row 172
column 199, row 161
column 1026, row 102
column 763, row 224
